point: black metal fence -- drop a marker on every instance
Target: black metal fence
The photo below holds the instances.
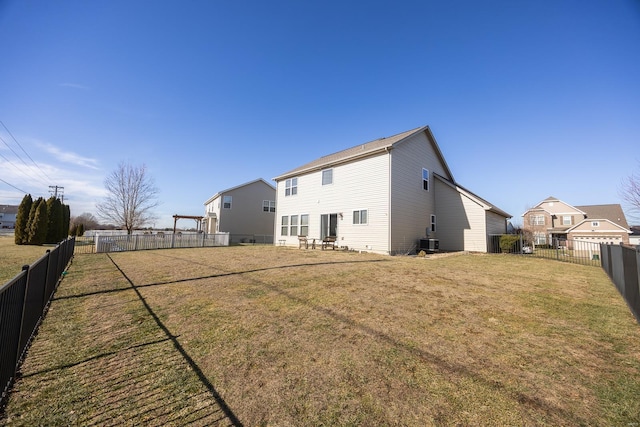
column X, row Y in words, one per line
column 622, row 264
column 23, row 303
column 567, row 250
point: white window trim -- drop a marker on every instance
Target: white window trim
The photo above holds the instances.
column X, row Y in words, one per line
column 566, row 217
column 291, row 187
column 426, row 180
column 360, row 217
column 595, row 223
column 224, row 203
column 284, row 225
column 534, row 220
column 330, row 171
column 433, row 223
column 270, row 205
column 293, row 228
column 304, row 225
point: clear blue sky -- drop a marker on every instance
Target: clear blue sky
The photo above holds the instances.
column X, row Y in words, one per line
column 526, row 99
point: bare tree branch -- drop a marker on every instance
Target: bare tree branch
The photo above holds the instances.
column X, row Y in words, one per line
column 630, row 193
column 131, row 197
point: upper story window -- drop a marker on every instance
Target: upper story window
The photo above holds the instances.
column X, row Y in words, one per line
column 327, row 176
column 360, row 217
column 291, row 187
column 268, row 206
column 595, row 223
column 425, row 179
column 566, row 220
column 226, row 202
column 537, row 220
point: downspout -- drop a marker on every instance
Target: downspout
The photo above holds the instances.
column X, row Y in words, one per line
column 389, row 242
column 275, row 222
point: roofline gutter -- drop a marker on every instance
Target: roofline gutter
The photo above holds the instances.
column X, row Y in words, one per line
column 380, row 150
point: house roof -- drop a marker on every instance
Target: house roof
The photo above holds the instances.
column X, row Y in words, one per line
column 552, row 212
column 219, row 193
column 611, row 212
column 603, row 220
column 9, row 209
column 364, row 150
column 485, row 204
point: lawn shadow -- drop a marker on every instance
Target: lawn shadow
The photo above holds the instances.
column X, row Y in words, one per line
column 228, row 414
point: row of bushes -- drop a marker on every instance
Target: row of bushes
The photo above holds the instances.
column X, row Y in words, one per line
column 41, row 221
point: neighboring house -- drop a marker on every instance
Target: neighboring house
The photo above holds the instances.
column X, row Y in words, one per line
column 8, row 214
column 554, row 219
column 384, row 196
column 634, row 238
column 243, row 211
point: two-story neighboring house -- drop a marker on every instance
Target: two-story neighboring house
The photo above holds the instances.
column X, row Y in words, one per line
column 554, row 219
column 8, row 214
column 245, row 211
column 384, row 196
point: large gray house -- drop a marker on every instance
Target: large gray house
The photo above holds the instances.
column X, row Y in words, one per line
column 385, row 196
column 246, row 212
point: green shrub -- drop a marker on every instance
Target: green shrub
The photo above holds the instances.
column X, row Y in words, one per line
column 508, row 242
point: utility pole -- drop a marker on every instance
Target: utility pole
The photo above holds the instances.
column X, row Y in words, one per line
column 53, row 189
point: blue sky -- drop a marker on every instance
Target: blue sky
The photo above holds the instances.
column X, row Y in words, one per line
column 526, row 99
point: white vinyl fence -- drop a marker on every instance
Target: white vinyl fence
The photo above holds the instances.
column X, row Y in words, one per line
column 138, row 242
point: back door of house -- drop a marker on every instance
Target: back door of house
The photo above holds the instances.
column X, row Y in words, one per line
column 328, row 225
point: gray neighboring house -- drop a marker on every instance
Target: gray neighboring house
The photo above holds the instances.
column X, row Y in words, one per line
column 8, row 214
column 246, row 212
column 385, row 196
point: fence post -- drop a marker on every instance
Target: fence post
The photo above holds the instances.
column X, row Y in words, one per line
column 25, row 268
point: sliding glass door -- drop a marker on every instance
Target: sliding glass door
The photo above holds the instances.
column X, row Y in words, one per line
column 328, row 225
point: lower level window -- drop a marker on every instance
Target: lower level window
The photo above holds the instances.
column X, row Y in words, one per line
column 294, row 225
column 304, row 225
column 360, row 217
column 284, row 226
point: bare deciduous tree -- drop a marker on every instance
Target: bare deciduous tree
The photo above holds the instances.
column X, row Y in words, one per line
column 131, row 197
column 89, row 221
column 630, row 193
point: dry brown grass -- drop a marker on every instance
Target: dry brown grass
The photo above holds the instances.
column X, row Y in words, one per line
column 13, row 257
column 277, row 336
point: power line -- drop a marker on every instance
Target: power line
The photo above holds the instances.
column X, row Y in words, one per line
column 21, row 171
column 23, row 150
column 10, row 185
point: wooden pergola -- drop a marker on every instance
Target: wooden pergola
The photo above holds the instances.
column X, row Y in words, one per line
column 198, row 220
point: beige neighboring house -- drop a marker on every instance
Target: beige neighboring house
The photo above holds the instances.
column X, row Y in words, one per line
column 246, row 211
column 8, row 214
column 554, row 219
column 391, row 196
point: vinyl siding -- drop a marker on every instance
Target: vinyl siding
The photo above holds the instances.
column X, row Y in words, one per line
column 363, row 184
column 452, row 217
column 462, row 222
column 214, row 207
column 411, row 205
column 246, row 215
column 496, row 224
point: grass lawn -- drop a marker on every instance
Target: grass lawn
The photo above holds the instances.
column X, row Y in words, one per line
column 286, row 337
column 13, row 257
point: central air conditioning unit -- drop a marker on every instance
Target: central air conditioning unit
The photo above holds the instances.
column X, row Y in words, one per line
column 429, row 245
